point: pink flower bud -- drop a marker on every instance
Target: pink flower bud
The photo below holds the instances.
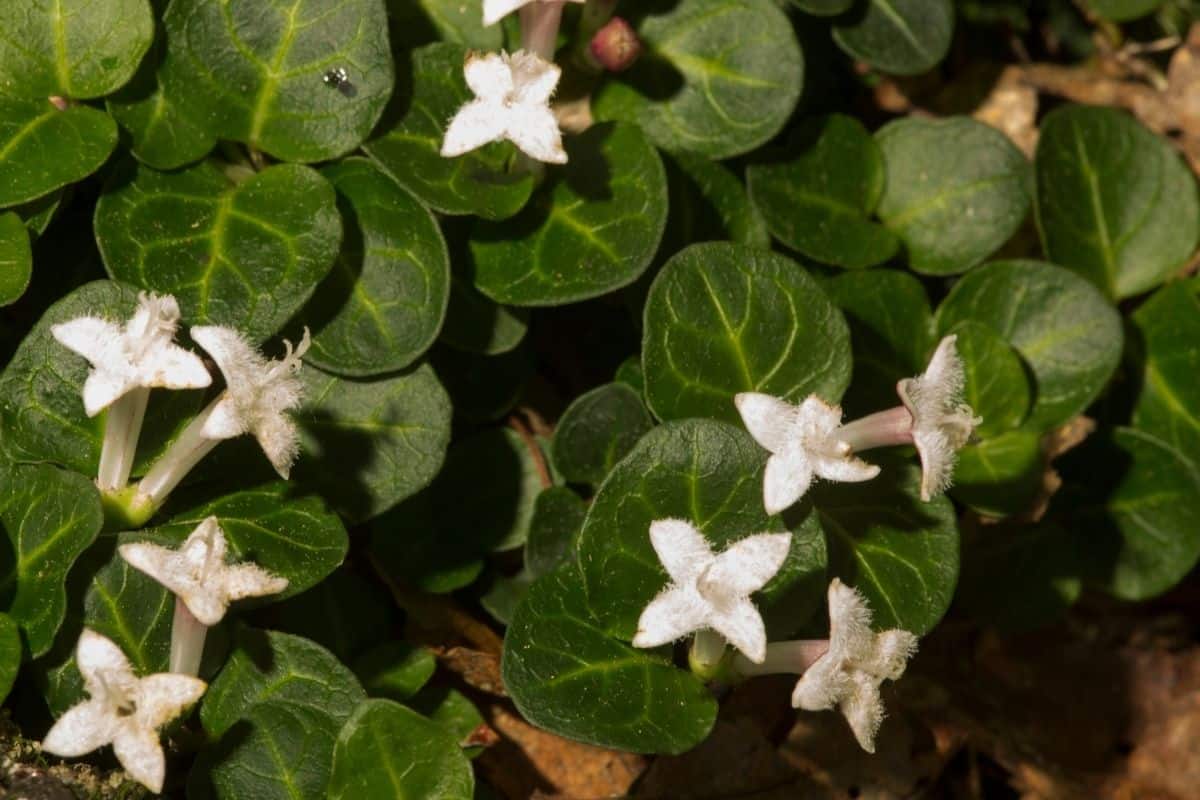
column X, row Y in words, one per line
column 616, row 46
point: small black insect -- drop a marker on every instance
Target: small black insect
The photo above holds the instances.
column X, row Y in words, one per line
column 339, row 79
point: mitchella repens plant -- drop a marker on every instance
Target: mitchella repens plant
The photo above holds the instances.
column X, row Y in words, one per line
column 566, row 317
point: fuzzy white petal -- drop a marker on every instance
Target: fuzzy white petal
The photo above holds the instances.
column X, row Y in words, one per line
column 101, row 663
column 534, row 130
column 746, row 565
column 674, row 613
column 141, row 756
column 81, row 729
column 845, row 469
column 786, row 479
column 533, row 78
column 488, row 75
column 742, row 625
column 101, row 389
column 164, row 696
column 769, row 420
column 863, row 709
column 280, row 440
column 496, row 10
column 90, row 337
column 251, row 580
column 682, row 550
column 477, row 123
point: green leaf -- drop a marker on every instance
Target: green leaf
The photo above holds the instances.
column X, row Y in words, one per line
column 591, row 228
column 161, row 134
column 277, row 708
column 43, row 148
column 597, row 430
column 256, row 73
column 387, row 750
column 902, row 554
column 297, row 538
column 483, row 388
column 497, row 472
column 707, row 202
column 50, row 517
column 247, row 254
column 558, row 516
column 1138, row 499
column 891, row 333
column 16, row 258
column 1123, row 10
column 1020, row 578
column 72, row 48
column 344, row 613
column 10, row 654
column 409, row 150
column 452, row 711
column 1068, row 334
column 1168, row 406
column 395, row 669
column 718, row 78
column 409, row 544
column 567, row 675
column 475, row 324
column 1115, row 202
column 367, row 445
column 1001, row 475
column 816, row 195
column 823, row 8
column 956, row 190
column 703, row 471
column 901, row 37
column 504, row 594
column 724, row 318
column 383, row 303
column 40, row 393
column 997, row 387
column 39, row 213
column 417, row 23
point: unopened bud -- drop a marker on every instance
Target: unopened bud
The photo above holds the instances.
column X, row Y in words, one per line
column 616, row 46
column 58, row 102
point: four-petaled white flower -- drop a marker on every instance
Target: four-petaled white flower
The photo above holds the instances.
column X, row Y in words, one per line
column 710, row 591
column 848, row 675
column 512, row 97
column 198, row 575
column 258, row 393
column 124, row 710
column 496, row 10
column 803, row 443
column 942, row 422
column 140, row 354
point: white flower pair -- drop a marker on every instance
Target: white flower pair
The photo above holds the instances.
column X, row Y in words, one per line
column 128, row 361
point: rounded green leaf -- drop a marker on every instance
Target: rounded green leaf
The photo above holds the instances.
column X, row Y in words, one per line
column 10, row 654
column 1168, row 406
column 903, row 37
column 16, row 258
column 395, row 669
column 902, row 554
column 476, row 324
column 41, row 403
column 345, row 613
column 558, row 516
column 956, row 190
column 724, row 318
column 43, row 148
column 383, row 303
column 367, row 445
column 452, row 711
column 246, row 254
column 719, row 78
column 50, row 517
column 495, row 473
column 1115, row 202
column 275, row 712
column 39, row 213
column 417, row 23
column 1001, row 475
column 816, row 195
column 255, row 72
column 706, row 203
column 483, row 388
column 409, row 544
column 597, row 430
column 1064, row 329
column 1123, row 10
column 997, row 387
column 1138, row 499
column 409, row 149
column 707, row 472
column 823, row 8
column 891, row 333
column 72, row 48
column 568, row 675
column 297, row 538
column 593, row 226
column 387, row 750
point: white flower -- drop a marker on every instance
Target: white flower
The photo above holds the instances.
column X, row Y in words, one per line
column 258, row 394
column 124, row 709
column 710, row 591
column 942, row 422
column 198, row 575
column 803, row 443
column 512, row 97
column 496, row 10
column 140, row 354
column 857, row 662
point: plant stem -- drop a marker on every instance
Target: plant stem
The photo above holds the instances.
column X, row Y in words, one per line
column 187, row 641
column 183, row 454
column 881, row 429
column 122, row 426
column 790, row 658
column 539, row 27
column 706, row 654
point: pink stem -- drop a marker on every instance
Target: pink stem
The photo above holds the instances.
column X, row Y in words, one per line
column 881, row 429
column 786, row 658
column 539, row 27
